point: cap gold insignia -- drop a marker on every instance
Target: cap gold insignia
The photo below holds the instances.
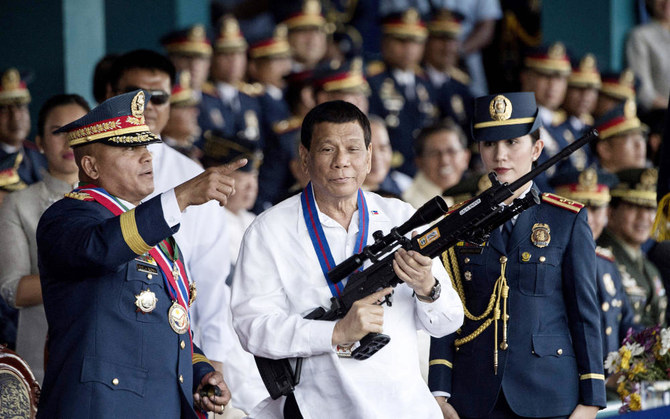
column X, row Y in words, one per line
column 588, row 63
column 588, row 179
column 137, row 105
column 281, row 32
column 146, row 301
column 556, row 51
column 627, row 77
column 609, row 284
column 230, row 27
column 525, row 256
column 311, row 7
column 648, row 179
column 540, row 236
column 411, row 16
column 500, row 108
column 11, row 79
column 630, row 109
column 197, row 33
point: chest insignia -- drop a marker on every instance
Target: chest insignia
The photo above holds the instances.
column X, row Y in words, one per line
column 609, row 284
column 146, row 301
column 540, row 236
column 525, row 257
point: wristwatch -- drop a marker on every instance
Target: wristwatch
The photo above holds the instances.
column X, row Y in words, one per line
column 434, row 293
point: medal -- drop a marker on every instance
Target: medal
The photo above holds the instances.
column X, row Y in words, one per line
column 178, row 318
column 540, row 235
column 193, row 292
column 146, row 301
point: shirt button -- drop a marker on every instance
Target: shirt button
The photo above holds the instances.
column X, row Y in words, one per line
column 466, row 260
column 503, row 259
column 181, row 378
column 149, row 276
column 115, row 381
column 542, row 258
column 606, row 306
column 559, row 351
column 182, row 344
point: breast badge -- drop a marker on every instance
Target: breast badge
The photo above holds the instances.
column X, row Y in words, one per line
column 609, row 284
column 540, row 236
column 146, row 301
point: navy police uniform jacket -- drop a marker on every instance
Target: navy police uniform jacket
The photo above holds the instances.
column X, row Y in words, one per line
column 32, row 162
column 552, row 358
column 616, row 313
column 107, row 359
column 404, row 116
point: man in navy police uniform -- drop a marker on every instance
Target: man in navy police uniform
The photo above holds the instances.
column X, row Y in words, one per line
column 117, row 305
column 532, row 318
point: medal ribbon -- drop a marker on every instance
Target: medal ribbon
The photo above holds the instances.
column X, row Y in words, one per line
column 318, row 237
column 161, row 253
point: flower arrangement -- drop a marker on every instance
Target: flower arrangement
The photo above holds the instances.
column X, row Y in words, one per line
column 643, row 357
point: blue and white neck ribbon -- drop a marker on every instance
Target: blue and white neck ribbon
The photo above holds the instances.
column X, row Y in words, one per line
column 318, row 237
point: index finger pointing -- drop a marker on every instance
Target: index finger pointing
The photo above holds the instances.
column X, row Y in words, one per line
column 375, row 297
column 231, row 167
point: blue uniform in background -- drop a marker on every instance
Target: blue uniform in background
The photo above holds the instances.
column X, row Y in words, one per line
column 108, row 359
column 550, row 358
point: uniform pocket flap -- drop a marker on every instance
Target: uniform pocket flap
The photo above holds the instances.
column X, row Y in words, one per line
column 114, row 375
column 546, row 255
column 553, row 345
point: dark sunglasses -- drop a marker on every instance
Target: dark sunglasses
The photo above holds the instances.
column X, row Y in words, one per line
column 158, row 97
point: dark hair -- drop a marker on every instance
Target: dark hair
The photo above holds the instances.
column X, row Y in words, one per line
column 336, row 112
column 54, row 102
column 447, row 124
column 143, row 59
column 535, row 135
column 101, row 76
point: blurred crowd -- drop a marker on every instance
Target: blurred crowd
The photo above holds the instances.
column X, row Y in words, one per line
column 219, row 95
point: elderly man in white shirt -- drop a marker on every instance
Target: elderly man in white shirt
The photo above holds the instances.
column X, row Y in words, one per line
column 280, row 277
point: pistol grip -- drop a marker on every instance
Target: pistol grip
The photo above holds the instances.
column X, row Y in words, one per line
column 370, row 344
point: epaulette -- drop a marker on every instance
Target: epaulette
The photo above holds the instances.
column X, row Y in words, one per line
column 251, row 89
column 287, row 125
column 559, row 117
column 561, row 202
column 30, row 145
column 374, row 67
column 82, row 196
column 587, row 118
column 209, row 88
column 605, row 253
column 459, row 75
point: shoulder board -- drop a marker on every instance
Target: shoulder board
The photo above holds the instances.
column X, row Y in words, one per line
column 251, row 89
column 375, row 67
column 459, row 75
column 209, row 88
column 605, row 253
column 561, row 202
column 587, row 118
column 286, row 125
column 80, row 196
column 29, row 145
column 559, row 117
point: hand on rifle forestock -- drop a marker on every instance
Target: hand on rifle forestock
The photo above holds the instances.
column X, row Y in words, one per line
column 415, row 270
column 365, row 316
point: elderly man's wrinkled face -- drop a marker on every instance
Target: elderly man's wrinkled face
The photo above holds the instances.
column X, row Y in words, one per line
column 337, row 160
column 155, row 114
column 444, row 159
column 14, row 124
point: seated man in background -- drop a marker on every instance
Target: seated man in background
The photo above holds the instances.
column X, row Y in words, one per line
column 441, row 157
column 621, row 143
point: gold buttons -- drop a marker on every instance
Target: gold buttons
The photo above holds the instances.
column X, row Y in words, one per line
column 542, row 259
column 182, row 344
column 503, row 259
column 115, row 381
column 181, row 378
column 466, row 260
column 608, row 331
column 606, row 306
column 559, row 351
column 467, row 275
column 149, row 276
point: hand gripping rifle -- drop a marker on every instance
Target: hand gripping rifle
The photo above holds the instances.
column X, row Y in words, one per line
column 472, row 222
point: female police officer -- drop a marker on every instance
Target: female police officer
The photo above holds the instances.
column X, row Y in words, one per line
column 530, row 345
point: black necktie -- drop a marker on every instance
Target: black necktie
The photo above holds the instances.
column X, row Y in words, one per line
column 507, row 231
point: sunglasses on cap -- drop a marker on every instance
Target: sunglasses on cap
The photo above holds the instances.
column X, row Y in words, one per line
column 158, row 97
